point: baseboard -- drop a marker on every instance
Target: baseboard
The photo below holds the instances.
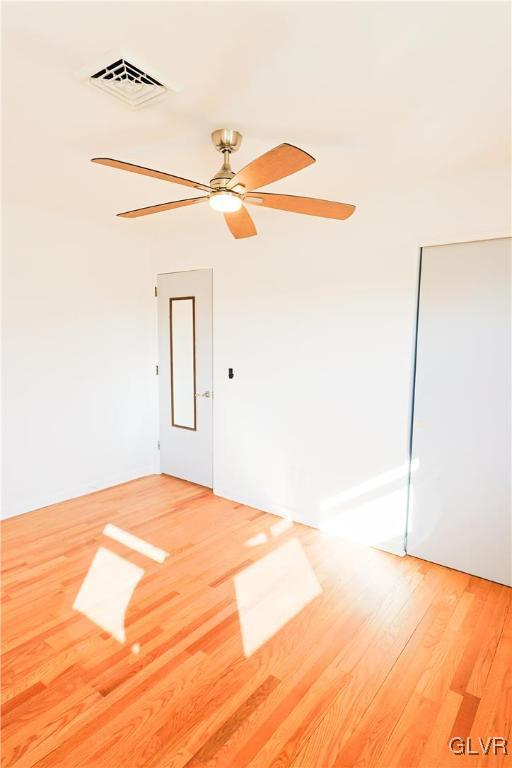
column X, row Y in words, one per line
column 67, row 494
column 393, row 546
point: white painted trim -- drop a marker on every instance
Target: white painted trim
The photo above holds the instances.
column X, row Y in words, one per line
column 463, row 242
column 35, row 501
column 397, row 548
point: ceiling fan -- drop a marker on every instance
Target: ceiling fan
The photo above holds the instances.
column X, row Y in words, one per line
column 227, row 190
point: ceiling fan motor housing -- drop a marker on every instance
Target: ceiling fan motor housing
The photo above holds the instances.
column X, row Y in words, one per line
column 221, row 178
column 225, row 141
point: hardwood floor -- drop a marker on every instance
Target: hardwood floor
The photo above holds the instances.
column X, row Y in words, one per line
column 357, row 657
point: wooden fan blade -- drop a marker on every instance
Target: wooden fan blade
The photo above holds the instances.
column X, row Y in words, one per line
column 162, row 207
column 149, row 172
column 311, row 206
column 240, row 223
column 272, row 166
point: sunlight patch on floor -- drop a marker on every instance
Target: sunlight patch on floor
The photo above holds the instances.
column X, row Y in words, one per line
column 275, row 530
column 110, row 582
column 272, row 591
column 280, row 527
column 139, row 545
column 107, row 590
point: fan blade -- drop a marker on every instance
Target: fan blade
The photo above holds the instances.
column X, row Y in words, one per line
column 272, row 166
column 162, row 207
column 149, row 172
column 311, row 206
column 240, row 223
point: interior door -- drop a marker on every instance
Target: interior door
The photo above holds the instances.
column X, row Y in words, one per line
column 185, row 375
column 460, row 512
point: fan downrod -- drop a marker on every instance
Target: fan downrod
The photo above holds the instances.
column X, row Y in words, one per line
column 225, row 141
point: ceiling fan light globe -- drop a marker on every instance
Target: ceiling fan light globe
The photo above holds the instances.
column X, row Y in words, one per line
column 225, row 202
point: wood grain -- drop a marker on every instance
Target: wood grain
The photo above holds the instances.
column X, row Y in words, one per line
column 390, row 660
column 275, row 164
column 161, row 207
column 143, row 171
column 240, row 223
column 311, row 206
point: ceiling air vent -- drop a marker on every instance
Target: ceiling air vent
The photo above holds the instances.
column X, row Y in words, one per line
column 128, row 83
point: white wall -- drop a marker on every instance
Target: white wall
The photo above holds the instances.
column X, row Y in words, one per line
column 316, row 318
column 405, row 108
column 78, row 371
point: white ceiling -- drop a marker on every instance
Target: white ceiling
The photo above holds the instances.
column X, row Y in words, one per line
column 383, row 94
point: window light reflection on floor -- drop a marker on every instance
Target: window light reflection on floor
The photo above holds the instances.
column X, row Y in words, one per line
column 280, row 527
column 110, row 582
column 272, row 591
column 139, row 545
column 107, row 590
column 275, row 530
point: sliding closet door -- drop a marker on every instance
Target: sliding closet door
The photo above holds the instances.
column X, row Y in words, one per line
column 460, row 512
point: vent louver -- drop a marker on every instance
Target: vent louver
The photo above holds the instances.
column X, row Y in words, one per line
column 128, row 83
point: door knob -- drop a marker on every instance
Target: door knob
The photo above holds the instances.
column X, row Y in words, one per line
column 204, row 394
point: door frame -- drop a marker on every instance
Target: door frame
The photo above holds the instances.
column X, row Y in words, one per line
column 412, row 398
column 177, row 272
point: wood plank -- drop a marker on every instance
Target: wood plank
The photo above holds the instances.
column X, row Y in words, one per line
column 391, row 658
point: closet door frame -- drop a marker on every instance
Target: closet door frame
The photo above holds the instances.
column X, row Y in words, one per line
column 487, row 423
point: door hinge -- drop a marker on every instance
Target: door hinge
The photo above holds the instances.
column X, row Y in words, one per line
column 158, row 445
column 156, row 291
column 156, row 369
